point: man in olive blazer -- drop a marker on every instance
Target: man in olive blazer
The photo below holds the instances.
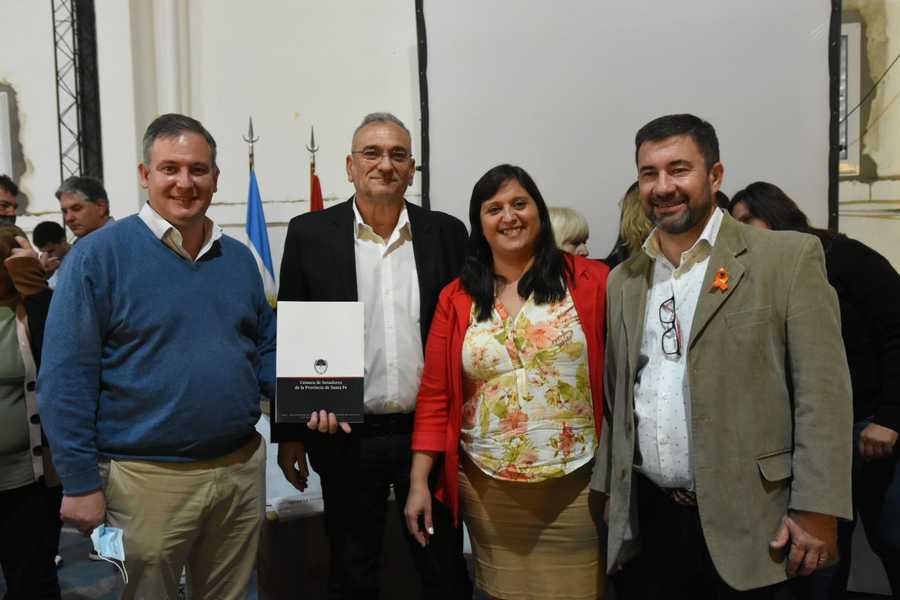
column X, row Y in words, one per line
column 765, row 382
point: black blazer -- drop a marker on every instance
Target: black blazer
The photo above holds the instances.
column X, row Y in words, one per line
column 868, row 290
column 319, row 264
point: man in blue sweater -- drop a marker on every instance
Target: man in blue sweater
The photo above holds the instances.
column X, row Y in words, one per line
column 159, row 343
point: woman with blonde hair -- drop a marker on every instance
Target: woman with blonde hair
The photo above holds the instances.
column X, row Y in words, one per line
column 634, row 227
column 570, row 230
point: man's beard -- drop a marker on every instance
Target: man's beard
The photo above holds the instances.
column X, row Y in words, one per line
column 7, row 220
column 687, row 220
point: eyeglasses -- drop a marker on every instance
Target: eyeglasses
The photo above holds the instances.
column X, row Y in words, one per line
column 398, row 156
column 671, row 337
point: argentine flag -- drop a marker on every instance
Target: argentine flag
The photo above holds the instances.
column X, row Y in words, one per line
column 258, row 236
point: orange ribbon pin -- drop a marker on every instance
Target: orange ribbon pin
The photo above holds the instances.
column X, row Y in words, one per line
column 721, row 281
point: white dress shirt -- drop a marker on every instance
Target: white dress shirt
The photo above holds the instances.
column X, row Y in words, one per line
column 662, row 395
column 171, row 237
column 387, row 283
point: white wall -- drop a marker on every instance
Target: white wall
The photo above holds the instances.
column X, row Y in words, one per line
column 288, row 63
column 293, row 65
column 870, row 213
column 561, row 88
column 115, row 68
column 26, row 64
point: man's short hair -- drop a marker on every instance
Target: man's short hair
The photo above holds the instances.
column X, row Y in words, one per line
column 89, row 189
column 170, row 125
column 48, row 232
column 661, row 128
column 381, row 117
column 9, row 185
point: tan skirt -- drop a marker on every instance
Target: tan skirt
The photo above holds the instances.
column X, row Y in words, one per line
column 532, row 540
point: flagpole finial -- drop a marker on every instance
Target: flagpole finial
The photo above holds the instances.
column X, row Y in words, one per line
column 250, row 139
column 312, row 148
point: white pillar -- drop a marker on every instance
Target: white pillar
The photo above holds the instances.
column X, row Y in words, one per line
column 184, row 56
column 5, row 137
column 120, row 131
column 166, row 29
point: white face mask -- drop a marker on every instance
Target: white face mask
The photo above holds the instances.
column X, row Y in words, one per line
column 108, row 546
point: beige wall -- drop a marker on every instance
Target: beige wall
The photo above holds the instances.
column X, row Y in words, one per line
column 870, row 202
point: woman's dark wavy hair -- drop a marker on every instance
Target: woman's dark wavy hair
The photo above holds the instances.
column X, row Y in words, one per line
column 547, row 275
column 769, row 203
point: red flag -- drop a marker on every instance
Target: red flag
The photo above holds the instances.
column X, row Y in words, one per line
column 315, row 190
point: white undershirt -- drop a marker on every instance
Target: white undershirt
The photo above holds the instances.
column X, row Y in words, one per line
column 388, row 285
column 171, row 237
column 662, row 394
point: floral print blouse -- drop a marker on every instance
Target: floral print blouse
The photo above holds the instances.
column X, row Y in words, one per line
column 527, row 414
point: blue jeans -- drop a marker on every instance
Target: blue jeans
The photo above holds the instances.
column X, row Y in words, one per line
column 876, row 500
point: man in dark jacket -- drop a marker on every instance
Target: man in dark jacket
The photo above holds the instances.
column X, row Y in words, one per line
column 395, row 257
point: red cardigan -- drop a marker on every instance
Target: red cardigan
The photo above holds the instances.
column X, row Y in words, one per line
column 439, row 403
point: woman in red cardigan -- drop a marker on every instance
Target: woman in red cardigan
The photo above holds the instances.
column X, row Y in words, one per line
column 513, row 379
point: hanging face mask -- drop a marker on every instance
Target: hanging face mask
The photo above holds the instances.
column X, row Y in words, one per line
column 108, row 546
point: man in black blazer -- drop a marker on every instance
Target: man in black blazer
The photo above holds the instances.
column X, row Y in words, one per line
column 395, row 257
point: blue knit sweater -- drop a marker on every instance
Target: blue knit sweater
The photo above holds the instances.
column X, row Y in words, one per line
column 150, row 356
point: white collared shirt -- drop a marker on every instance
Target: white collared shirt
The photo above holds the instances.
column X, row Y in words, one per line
column 387, row 283
column 662, row 394
column 171, row 237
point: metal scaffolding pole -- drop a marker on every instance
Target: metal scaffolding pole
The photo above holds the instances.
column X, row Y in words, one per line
column 66, row 60
column 77, row 88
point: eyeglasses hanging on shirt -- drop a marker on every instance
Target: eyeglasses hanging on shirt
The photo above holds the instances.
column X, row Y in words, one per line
column 671, row 336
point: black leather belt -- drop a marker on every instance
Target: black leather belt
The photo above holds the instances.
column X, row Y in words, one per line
column 682, row 496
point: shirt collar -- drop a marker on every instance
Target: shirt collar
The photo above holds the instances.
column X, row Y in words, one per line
column 696, row 253
column 169, row 235
column 364, row 231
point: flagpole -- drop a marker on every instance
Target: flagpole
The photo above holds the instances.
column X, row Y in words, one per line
column 255, row 226
column 250, row 139
column 312, row 148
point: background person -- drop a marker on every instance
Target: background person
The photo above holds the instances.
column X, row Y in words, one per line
column 511, row 400
column 8, row 202
column 50, row 238
column 84, row 204
column 570, row 230
column 868, row 290
column 722, row 200
column 634, row 227
column 30, row 492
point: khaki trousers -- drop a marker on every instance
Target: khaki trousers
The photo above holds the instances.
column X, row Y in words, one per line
column 204, row 515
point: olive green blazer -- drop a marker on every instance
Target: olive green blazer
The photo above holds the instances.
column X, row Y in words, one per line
column 771, row 412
